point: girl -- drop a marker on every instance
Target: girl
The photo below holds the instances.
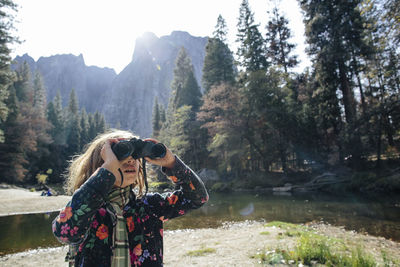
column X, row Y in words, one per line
column 106, row 223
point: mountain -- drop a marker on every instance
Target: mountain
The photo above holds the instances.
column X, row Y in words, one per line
column 149, row 75
column 64, row 72
column 125, row 99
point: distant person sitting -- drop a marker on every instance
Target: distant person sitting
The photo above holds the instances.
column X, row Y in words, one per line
column 106, row 223
column 48, row 193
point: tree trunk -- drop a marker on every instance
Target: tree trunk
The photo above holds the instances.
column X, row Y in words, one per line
column 388, row 129
column 378, row 152
column 356, row 72
column 348, row 95
column 350, row 112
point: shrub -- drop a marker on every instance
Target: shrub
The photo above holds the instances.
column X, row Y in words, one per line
column 41, row 178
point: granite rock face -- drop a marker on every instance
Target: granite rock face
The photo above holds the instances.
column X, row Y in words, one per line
column 149, row 75
column 64, row 72
column 125, row 99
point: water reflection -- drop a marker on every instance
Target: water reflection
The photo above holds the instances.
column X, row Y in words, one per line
column 352, row 212
column 23, row 232
column 376, row 216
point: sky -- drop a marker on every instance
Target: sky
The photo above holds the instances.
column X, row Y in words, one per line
column 104, row 31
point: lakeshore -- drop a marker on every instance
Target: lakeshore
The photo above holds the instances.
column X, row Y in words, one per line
column 248, row 243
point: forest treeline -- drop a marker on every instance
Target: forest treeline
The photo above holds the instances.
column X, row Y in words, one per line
column 255, row 115
column 40, row 138
column 258, row 115
column 36, row 138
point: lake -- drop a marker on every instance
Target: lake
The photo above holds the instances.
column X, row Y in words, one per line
column 378, row 216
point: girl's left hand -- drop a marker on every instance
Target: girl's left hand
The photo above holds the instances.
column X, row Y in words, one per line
column 168, row 161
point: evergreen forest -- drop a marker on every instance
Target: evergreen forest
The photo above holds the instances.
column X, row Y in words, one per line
column 256, row 117
column 37, row 139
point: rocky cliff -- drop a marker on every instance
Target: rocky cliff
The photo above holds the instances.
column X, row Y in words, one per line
column 125, row 99
column 149, row 75
column 64, row 72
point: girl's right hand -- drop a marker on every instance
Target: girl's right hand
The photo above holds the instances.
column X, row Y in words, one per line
column 111, row 162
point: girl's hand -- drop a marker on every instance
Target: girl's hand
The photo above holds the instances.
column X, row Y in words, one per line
column 168, row 161
column 111, row 162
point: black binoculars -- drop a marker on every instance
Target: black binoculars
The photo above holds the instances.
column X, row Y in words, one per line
column 137, row 148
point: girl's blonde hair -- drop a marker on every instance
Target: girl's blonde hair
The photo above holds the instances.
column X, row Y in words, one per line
column 83, row 166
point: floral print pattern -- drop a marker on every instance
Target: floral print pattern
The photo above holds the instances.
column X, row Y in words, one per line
column 65, row 214
column 102, row 232
column 88, row 221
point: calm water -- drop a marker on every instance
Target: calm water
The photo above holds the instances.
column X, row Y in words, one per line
column 376, row 215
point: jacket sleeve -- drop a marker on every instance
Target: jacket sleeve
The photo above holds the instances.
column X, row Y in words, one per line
column 191, row 195
column 73, row 222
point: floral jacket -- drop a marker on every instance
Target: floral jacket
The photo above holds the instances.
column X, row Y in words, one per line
column 87, row 221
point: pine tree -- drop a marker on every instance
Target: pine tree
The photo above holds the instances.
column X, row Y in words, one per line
column 220, row 29
column 84, row 125
column 218, row 80
column 156, row 121
column 21, row 83
column 25, row 130
column 99, row 122
column 185, row 95
column 6, row 75
column 381, row 76
column 163, row 116
column 179, row 140
column 73, row 108
column 278, row 35
column 57, row 158
column 74, row 137
column 185, row 89
column 335, row 34
column 218, row 62
column 3, row 111
column 73, row 125
column 55, row 117
column 39, row 96
column 12, row 159
column 92, row 127
column 52, row 118
column 251, row 50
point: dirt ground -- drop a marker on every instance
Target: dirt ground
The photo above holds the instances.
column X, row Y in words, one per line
column 234, row 244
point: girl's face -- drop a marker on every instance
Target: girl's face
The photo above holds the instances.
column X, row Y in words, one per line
column 130, row 170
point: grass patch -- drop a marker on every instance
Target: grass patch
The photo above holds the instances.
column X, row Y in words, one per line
column 312, row 249
column 265, row 233
column 292, row 230
column 200, row 252
column 270, row 257
column 293, row 233
column 285, row 225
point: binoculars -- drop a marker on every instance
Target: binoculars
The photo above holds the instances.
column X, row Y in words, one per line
column 137, row 148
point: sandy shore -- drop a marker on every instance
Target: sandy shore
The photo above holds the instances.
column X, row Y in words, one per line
column 19, row 201
column 235, row 244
